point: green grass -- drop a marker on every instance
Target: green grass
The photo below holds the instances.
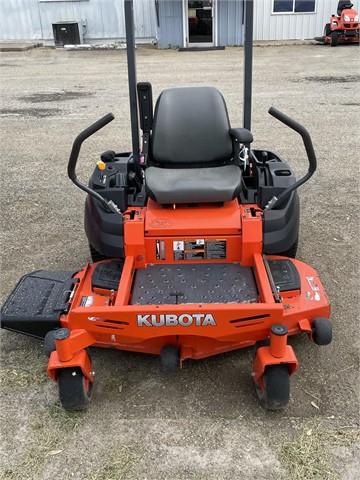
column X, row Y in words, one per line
column 47, row 434
column 118, row 465
column 18, row 378
column 308, row 457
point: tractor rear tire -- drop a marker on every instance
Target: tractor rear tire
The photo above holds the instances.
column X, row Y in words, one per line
column 321, row 331
column 275, row 394
column 334, row 39
column 74, row 389
column 290, row 252
column 96, row 256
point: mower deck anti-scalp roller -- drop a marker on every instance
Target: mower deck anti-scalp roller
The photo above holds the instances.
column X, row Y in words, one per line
column 193, row 237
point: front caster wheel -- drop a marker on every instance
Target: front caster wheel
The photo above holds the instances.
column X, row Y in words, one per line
column 169, row 359
column 275, row 393
column 334, row 39
column 74, row 389
column 321, row 331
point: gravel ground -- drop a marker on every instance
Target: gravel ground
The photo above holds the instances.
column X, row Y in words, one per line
column 206, row 423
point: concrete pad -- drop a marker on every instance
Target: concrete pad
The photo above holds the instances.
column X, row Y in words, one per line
column 18, row 47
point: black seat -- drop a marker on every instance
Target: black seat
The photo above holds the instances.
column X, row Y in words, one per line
column 342, row 5
column 192, row 148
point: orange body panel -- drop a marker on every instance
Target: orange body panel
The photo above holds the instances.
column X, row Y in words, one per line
column 79, row 359
column 196, row 221
column 198, row 329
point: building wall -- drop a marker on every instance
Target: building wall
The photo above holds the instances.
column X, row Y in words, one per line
column 300, row 26
column 170, row 27
column 170, row 24
column 230, row 18
column 32, row 19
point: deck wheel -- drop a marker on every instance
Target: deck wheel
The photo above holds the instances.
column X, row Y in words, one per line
column 321, row 331
column 275, row 393
column 74, row 389
column 169, row 359
column 334, row 39
column 327, row 30
column 49, row 343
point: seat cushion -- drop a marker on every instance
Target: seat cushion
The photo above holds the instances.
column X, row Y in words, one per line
column 193, row 185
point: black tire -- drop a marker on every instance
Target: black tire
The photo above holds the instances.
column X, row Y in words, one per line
column 49, row 343
column 321, row 331
column 74, row 390
column 262, row 343
column 96, row 256
column 291, row 252
column 327, row 30
column 276, row 391
column 169, row 359
column 334, row 39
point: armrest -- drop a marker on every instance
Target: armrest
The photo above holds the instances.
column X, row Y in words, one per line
column 242, row 135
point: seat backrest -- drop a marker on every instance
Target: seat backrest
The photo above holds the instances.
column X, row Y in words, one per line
column 191, row 126
column 342, row 5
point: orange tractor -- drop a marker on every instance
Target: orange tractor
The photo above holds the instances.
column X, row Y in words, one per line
column 193, row 238
column 343, row 27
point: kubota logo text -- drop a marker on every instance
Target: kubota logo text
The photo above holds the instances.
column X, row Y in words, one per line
column 172, row 320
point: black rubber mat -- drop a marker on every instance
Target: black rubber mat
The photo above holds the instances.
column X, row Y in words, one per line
column 201, row 283
column 35, row 304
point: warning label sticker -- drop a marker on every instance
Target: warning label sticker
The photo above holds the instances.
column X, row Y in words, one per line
column 216, row 249
column 86, row 301
column 199, row 249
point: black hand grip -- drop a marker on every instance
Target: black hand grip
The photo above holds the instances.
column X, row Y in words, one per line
column 74, row 155
column 302, row 131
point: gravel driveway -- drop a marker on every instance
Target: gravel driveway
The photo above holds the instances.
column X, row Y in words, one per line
column 205, row 423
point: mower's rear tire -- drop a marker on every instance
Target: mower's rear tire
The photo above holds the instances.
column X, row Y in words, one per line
column 169, row 359
column 334, row 39
column 321, row 331
column 74, row 389
column 276, row 387
column 95, row 255
column 327, row 30
column 291, row 252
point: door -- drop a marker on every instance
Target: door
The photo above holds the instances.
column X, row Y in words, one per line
column 200, row 22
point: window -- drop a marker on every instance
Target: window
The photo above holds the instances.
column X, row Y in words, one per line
column 294, row 6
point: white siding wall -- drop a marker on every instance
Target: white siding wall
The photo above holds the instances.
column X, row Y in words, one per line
column 268, row 26
column 32, row 19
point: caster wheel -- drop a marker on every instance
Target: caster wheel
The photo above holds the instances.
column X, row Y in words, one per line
column 276, row 387
column 327, row 30
column 169, row 359
column 334, row 39
column 262, row 343
column 49, row 343
column 321, row 331
column 74, row 389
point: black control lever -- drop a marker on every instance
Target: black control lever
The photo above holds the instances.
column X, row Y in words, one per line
column 74, row 155
column 309, row 151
